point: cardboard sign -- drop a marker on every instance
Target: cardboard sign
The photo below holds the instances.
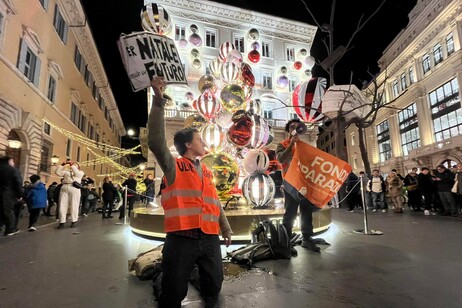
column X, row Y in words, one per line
column 315, row 174
column 146, row 55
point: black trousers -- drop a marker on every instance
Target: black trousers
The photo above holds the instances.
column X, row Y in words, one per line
column 7, row 206
column 107, row 205
column 306, row 215
column 131, row 201
column 34, row 214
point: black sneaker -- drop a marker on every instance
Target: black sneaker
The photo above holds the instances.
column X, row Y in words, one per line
column 73, row 224
column 13, row 232
column 293, row 252
column 311, row 246
column 61, row 225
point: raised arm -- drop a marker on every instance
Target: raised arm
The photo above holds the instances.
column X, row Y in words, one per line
column 156, row 132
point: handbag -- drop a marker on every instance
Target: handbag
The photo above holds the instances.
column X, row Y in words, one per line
column 76, row 184
column 454, row 187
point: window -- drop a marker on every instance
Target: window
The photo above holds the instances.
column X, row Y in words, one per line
column 437, row 53
column 409, row 129
column 77, row 58
column 60, row 25
column 292, row 83
column 68, row 148
column 239, row 43
column 353, row 140
column 44, row 3
column 267, row 81
column 450, row 44
column 45, row 156
column 266, row 49
column 395, row 88
column 2, row 25
column 426, row 63
column 106, row 113
column 87, row 76
column 82, row 123
column 29, row 63
column 180, row 32
column 446, row 112
column 78, row 154
column 383, row 138
column 51, row 92
column 47, row 128
column 403, row 81
column 101, row 102
column 411, row 76
column 293, row 115
column 97, row 137
column 268, row 114
column 95, row 91
column 211, row 38
column 290, row 53
column 91, row 131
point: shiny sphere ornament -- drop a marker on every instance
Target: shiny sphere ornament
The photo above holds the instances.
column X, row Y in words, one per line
column 208, row 105
column 224, row 118
column 225, row 48
column 183, row 43
column 195, row 53
column 229, row 72
column 225, row 171
column 234, row 56
column 194, row 121
column 298, row 65
column 309, row 62
column 306, row 74
column 206, row 82
column 253, row 34
column 258, row 189
column 193, row 28
column 247, row 76
column 232, row 97
column 254, row 56
column 256, row 161
column 306, row 99
column 195, row 40
column 196, row 63
column 154, row 18
column 248, row 90
column 260, row 132
column 255, row 45
column 302, row 53
column 240, row 132
column 282, row 81
column 213, row 137
column 215, row 68
column 189, row 96
column 283, row 70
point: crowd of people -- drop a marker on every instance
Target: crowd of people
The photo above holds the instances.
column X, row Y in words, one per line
column 431, row 191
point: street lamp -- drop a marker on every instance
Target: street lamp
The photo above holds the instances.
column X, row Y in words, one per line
column 54, row 160
column 131, row 132
column 142, row 166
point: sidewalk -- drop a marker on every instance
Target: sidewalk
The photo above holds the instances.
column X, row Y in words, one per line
column 415, row 263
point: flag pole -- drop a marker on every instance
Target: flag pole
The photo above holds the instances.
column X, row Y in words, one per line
column 366, row 229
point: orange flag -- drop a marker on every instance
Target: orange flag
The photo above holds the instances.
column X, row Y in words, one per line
column 315, row 174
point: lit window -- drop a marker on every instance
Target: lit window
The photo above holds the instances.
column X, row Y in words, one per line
column 395, row 88
column 266, row 49
column 47, row 128
column 450, row 44
column 211, row 38
column 60, row 25
column 411, row 75
column 409, row 129
column 384, row 143
column 437, row 53
column 403, row 81
column 426, row 63
column 292, row 83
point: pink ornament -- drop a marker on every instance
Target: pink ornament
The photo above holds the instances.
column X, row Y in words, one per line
column 283, row 81
column 195, row 40
column 208, row 105
column 225, row 48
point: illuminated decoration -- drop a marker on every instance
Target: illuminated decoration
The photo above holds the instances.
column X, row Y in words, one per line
column 195, row 53
column 194, row 121
column 213, row 137
column 349, row 98
column 206, row 82
column 224, row 118
column 255, row 45
column 232, row 97
column 154, row 18
column 215, row 67
column 283, row 70
column 283, row 81
column 298, row 65
column 240, row 132
column 195, row 40
column 196, row 63
column 310, row 62
column 306, row 99
column 106, row 160
column 256, row 161
column 247, row 76
column 260, row 132
column 54, row 160
column 258, row 189
column 225, row 48
column 193, row 28
column 189, row 96
column 225, row 171
column 229, row 72
column 183, row 43
column 253, row 34
column 207, row 104
column 254, row 56
column 234, row 56
column 14, row 144
column 306, row 74
column 302, row 53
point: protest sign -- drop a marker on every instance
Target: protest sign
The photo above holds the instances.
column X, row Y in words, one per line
column 315, row 174
column 146, row 55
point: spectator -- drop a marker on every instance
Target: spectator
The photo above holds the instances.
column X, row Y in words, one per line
column 395, row 191
column 150, row 191
column 398, row 175
column 93, row 198
column 36, row 199
column 109, row 195
column 10, row 192
column 353, row 191
column 444, row 182
column 413, row 192
column 130, row 185
column 50, row 198
column 427, row 187
column 377, row 187
column 458, row 188
column 56, row 193
column 84, row 193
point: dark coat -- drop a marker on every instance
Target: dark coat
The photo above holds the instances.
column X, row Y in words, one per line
column 446, row 181
column 36, row 195
column 109, row 192
column 425, row 183
column 10, row 184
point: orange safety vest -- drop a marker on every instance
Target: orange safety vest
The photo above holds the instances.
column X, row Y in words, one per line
column 191, row 203
column 285, row 166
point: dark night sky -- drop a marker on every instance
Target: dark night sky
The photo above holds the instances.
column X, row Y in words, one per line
column 109, row 18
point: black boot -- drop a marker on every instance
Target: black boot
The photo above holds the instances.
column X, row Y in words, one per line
column 61, row 225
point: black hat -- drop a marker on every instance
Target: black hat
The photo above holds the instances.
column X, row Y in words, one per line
column 34, row 178
column 54, row 183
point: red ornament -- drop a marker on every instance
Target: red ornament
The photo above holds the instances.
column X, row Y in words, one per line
column 240, row 132
column 298, row 65
column 208, row 105
column 254, row 56
column 306, row 99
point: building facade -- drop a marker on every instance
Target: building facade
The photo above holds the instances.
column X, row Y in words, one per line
column 55, row 98
column 422, row 73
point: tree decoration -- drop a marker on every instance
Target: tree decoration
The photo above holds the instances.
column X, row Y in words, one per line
column 154, row 18
column 306, row 99
column 258, row 189
column 225, row 48
column 254, row 56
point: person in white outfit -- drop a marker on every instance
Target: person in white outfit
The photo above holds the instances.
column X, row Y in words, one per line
column 69, row 196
